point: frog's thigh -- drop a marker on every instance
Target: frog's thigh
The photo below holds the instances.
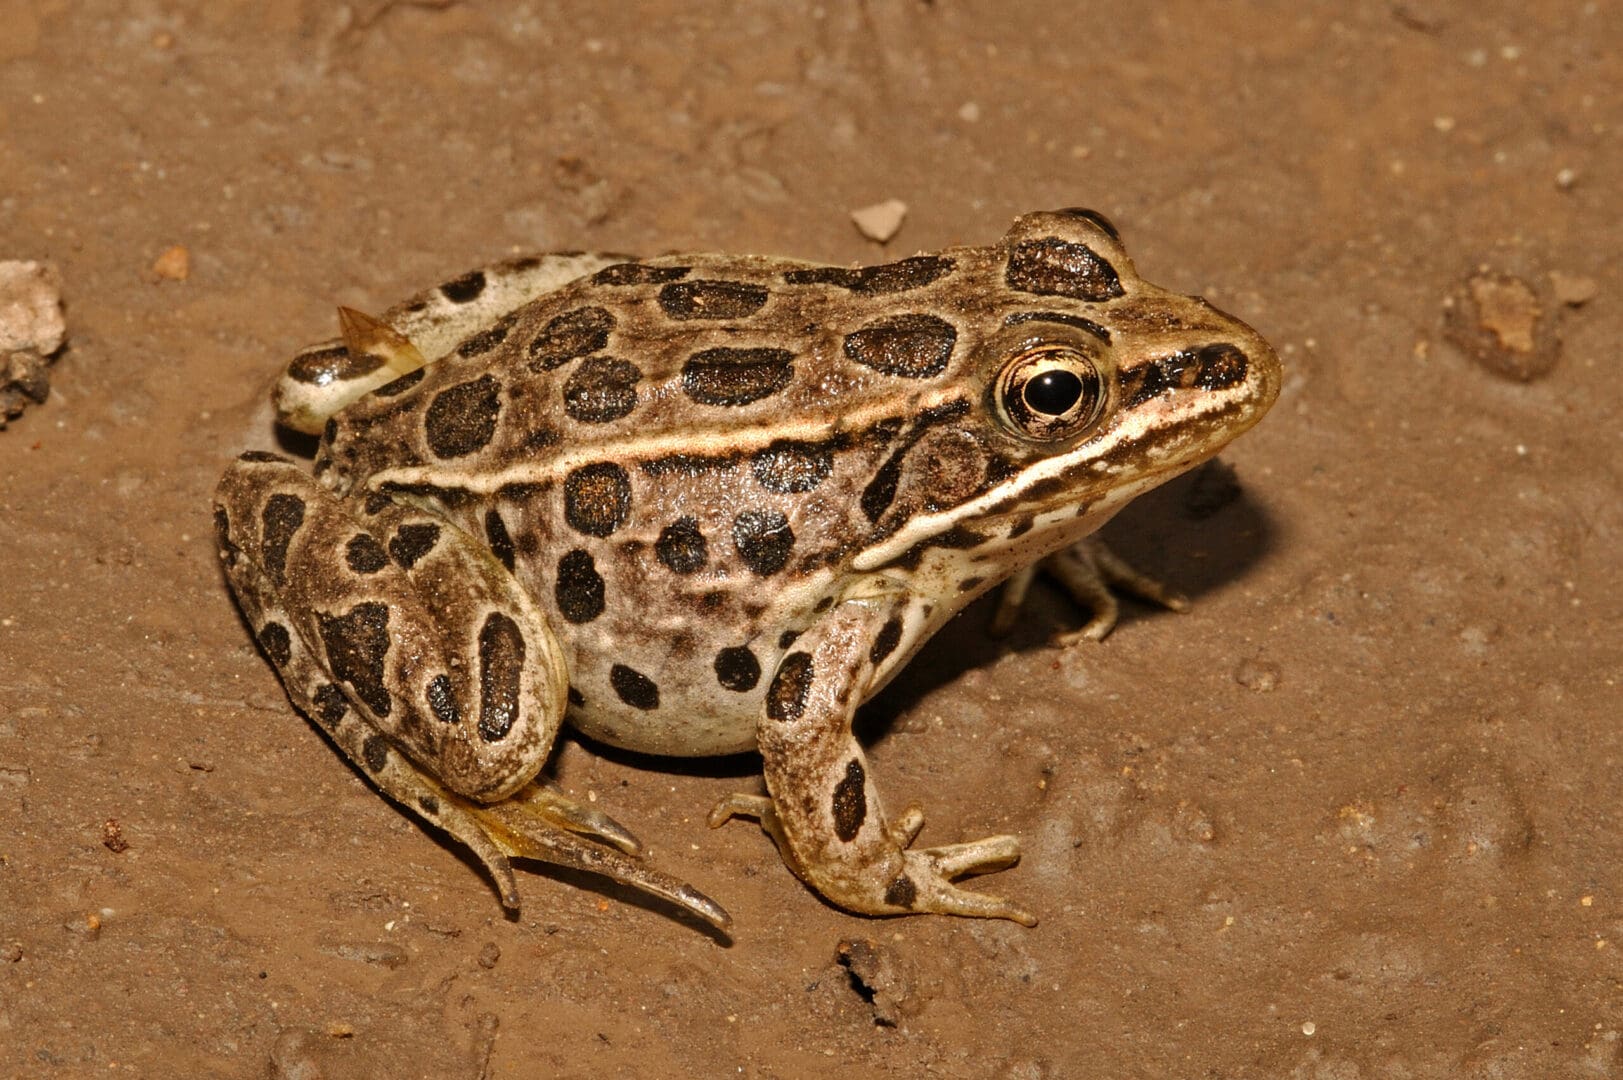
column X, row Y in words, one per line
column 400, row 619
column 825, row 811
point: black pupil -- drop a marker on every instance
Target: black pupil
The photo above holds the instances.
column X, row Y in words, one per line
column 1054, row 392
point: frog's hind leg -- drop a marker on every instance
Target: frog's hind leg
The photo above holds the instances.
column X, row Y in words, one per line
column 413, row 647
column 1089, row 571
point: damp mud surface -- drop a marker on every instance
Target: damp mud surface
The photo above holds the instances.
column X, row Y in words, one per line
column 1355, row 815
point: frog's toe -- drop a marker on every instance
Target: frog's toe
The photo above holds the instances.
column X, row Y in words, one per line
column 548, row 802
column 927, row 883
column 1092, row 574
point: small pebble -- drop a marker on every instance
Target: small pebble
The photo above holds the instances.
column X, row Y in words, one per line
column 174, row 264
column 1499, row 320
column 112, row 837
column 489, row 953
column 1573, row 290
column 881, row 221
column 1259, row 675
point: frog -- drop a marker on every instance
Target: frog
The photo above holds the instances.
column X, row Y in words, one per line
column 703, row 504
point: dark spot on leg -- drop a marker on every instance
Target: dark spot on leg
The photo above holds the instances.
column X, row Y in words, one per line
column 822, row 605
column 602, row 389
column 597, row 498
column 970, row 583
column 576, row 698
column 737, row 669
column 501, row 667
column 462, row 418
column 277, row 643
column 331, row 705
column 885, row 642
column 724, row 376
column 263, row 457
column 222, row 537
column 912, row 346
column 1022, row 525
column 570, row 336
column 711, row 300
column 376, row 502
column 1054, row 267
column 786, row 697
column 356, row 643
column 496, row 535
column 764, row 540
column 902, row 892
column 364, row 554
column 634, row 688
column 787, row 466
column 442, row 701
column 281, row 518
column 887, row 278
column 375, row 752
column 636, row 273
column 428, row 805
column 411, row 542
column 579, row 589
column 787, row 638
column 465, row 288
column 323, row 364
column 850, row 803
column 401, row 385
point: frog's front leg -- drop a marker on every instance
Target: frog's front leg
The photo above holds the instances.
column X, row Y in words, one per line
column 414, row 648
column 824, row 811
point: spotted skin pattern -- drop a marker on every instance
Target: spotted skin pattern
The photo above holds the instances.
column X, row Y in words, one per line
column 701, row 504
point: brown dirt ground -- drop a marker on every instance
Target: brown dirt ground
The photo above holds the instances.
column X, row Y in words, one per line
column 1355, row 816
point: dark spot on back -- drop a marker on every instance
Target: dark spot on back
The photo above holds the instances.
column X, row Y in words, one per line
column 496, row 535
column 601, row 389
column 501, row 669
column 442, row 701
column 881, row 490
column 885, row 642
column 597, row 498
column 465, row 288
column 764, row 540
column 412, row 541
column 1062, row 318
column 912, row 346
column 737, row 669
column 428, row 805
column 787, row 466
column 356, row 643
column 702, row 299
column 462, row 418
column 277, row 643
column 401, row 385
column 849, row 805
column 724, row 376
column 579, row 589
column 634, row 688
column 786, row 697
column 364, row 554
column 1054, row 267
column 681, row 546
column 689, row 464
column 569, row 336
column 281, row 518
column 913, row 273
column 485, row 340
column 636, row 273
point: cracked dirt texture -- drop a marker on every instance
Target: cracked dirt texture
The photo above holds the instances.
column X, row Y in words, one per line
column 1355, row 816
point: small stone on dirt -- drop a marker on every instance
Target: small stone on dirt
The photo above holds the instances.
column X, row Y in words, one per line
column 1573, row 290
column 1259, row 675
column 31, row 329
column 112, row 837
column 489, row 953
column 877, row 975
column 1499, row 320
column 175, row 264
column 881, row 221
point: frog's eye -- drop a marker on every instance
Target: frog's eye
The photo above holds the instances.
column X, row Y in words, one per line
column 1050, row 391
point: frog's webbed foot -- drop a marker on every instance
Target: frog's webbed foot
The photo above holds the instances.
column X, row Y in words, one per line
column 542, row 823
column 1089, row 571
column 924, row 885
column 824, row 811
